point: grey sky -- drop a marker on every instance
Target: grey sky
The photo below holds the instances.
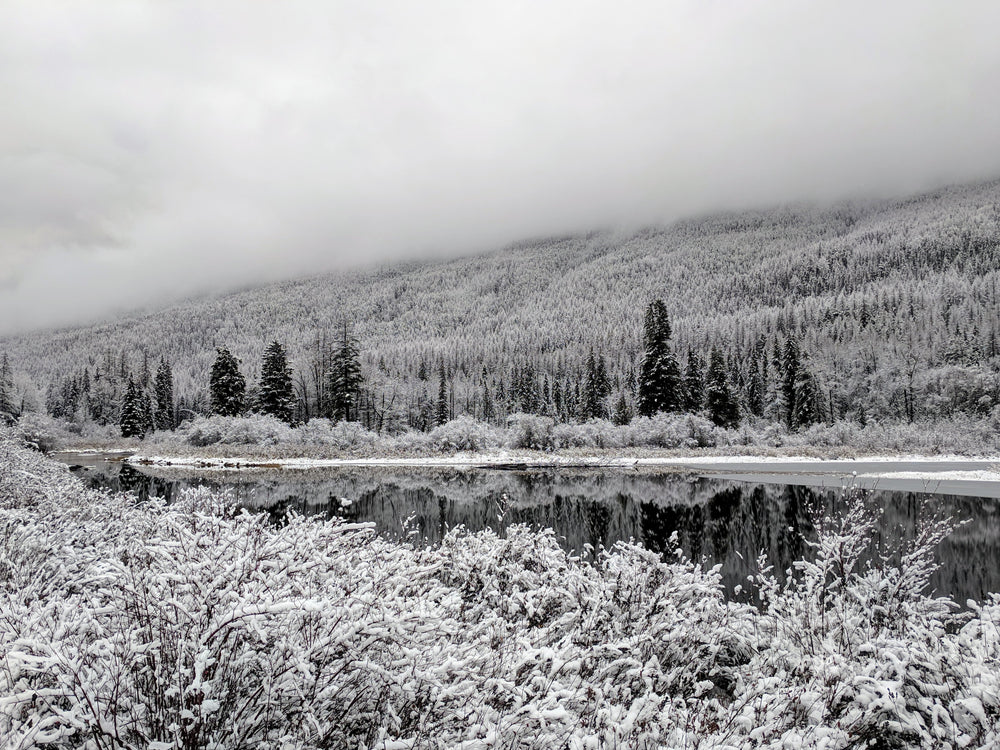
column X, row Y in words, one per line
column 153, row 150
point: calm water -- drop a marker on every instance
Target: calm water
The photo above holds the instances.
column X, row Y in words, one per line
column 720, row 520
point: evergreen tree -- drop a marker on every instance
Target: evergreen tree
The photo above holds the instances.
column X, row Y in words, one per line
column 719, row 400
column 227, row 386
column 276, row 397
column 596, row 388
column 146, row 406
column 344, row 378
column 133, row 418
column 656, row 327
column 791, row 366
column 441, row 407
column 489, row 412
column 808, row 406
column 755, row 390
column 659, row 376
column 623, row 413
column 8, row 406
column 163, row 415
column 672, row 383
column 694, row 383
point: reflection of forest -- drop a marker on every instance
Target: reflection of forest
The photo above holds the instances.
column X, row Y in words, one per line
column 720, row 521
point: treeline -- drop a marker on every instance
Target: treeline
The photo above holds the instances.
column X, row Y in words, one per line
column 776, row 384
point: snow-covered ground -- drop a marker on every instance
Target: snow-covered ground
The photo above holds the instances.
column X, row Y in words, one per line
column 880, row 465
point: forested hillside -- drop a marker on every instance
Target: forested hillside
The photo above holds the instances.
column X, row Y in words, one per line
column 893, row 306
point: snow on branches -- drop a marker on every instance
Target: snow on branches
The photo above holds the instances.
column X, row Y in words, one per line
column 196, row 625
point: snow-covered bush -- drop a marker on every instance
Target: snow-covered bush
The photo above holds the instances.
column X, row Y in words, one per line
column 343, row 435
column 42, row 432
column 126, row 625
column 594, row 433
column 671, row 431
column 464, row 434
column 529, row 431
column 254, row 429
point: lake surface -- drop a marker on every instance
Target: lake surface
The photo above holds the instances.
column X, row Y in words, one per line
column 726, row 519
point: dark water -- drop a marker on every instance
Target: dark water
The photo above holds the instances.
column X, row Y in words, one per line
column 717, row 520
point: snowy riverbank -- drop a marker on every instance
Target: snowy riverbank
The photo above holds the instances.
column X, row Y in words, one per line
column 147, row 625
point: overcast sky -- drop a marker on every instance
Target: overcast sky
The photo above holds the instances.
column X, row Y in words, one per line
column 150, row 151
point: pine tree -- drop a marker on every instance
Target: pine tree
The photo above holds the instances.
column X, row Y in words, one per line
column 227, row 385
column 656, row 328
column 755, row 391
column 623, row 413
column 659, row 376
column 441, row 407
column 790, row 366
column 146, row 409
column 808, row 406
column 344, row 378
column 276, row 397
column 719, row 400
column 8, row 407
column 596, row 388
column 133, row 418
column 694, row 383
column 163, row 414
column 671, row 383
column 489, row 412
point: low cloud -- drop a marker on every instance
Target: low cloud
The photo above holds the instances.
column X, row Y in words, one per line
column 153, row 150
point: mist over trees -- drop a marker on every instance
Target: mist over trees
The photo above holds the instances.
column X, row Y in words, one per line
column 881, row 312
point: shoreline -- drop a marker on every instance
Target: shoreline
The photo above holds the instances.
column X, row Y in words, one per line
column 902, row 466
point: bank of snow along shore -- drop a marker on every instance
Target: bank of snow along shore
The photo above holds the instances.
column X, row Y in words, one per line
column 261, row 440
column 194, row 625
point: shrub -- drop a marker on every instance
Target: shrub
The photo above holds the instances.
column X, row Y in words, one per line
column 342, row 435
column 595, row 433
column 464, row 434
column 42, row 432
column 529, row 431
column 671, row 431
column 193, row 625
column 254, row 429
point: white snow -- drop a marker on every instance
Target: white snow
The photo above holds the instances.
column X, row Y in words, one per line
column 986, row 469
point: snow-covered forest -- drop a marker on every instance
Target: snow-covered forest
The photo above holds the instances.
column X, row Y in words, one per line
column 192, row 625
column 892, row 307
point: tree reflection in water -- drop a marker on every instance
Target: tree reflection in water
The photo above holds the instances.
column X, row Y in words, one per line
column 717, row 521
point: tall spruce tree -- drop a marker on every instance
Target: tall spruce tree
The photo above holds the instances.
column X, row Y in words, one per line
column 8, row 407
column 163, row 415
column 719, row 400
column 276, row 397
column 344, row 378
column 790, row 373
column 133, row 419
column 694, row 383
column 808, row 405
column 227, row 386
column 660, row 375
column 623, row 412
column 441, row 406
column 595, row 388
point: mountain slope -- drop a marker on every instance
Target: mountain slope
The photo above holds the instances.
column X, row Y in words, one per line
column 868, row 287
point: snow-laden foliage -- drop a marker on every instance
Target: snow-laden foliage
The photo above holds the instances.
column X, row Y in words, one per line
column 194, row 626
column 43, row 432
column 255, row 429
column 461, row 434
column 341, row 435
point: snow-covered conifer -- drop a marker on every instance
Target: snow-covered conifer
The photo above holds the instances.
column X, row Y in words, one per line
column 227, row 385
column 276, row 396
